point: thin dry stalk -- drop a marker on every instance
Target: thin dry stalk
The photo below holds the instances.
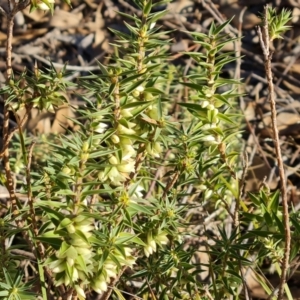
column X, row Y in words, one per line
column 267, row 53
column 9, row 178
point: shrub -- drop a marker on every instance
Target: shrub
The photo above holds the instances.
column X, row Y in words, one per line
column 109, row 206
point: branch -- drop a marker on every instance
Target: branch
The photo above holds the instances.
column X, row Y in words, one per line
column 265, row 46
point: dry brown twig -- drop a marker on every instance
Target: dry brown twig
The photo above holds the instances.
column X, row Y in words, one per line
column 13, row 9
column 265, row 44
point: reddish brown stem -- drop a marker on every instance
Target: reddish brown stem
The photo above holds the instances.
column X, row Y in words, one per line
column 267, row 53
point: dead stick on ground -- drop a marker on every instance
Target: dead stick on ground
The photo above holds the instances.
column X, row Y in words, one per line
column 267, row 53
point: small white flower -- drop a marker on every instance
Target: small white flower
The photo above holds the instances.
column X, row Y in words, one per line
column 162, row 238
column 100, row 285
column 152, row 244
column 59, row 268
column 152, row 25
column 115, row 176
column 127, row 152
column 75, row 275
column 208, row 194
column 140, row 88
column 80, row 291
column 204, row 104
column 202, row 187
column 70, row 261
column 154, row 149
column 101, row 127
column 111, row 270
column 148, row 250
column 138, row 192
column 208, row 126
column 85, row 252
column 208, row 138
column 127, row 166
column 85, row 228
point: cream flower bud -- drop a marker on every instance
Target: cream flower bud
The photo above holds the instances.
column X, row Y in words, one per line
column 210, row 107
column 157, row 147
column 85, row 146
column 135, row 93
column 70, row 261
column 124, row 130
column 113, row 160
column 75, row 275
column 126, row 113
column 84, row 156
column 67, row 280
column 208, row 194
column 204, row 104
column 115, row 139
column 102, row 176
column 153, row 113
column 209, row 93
column 202, row 187
column 66, row 170
column 71, row 228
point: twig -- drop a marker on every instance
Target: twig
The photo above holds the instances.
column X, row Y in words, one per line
column 207, row 4
column 9, row 179
column 68, row 67
column 267, row 54
column 24, row 253
column 157, row 174
column 171, row 184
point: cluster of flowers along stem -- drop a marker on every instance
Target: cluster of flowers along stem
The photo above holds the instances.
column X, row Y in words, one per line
column 129, row 128
column 75, row 263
